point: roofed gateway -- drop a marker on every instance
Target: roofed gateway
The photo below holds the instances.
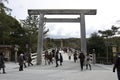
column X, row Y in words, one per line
column 81, row 20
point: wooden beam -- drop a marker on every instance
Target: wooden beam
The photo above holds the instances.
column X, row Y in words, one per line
column 62, row 11
column 61, row 20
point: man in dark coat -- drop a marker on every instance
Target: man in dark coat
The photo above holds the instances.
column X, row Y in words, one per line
column 25, row 59
column 29, row 60
column 117, row 65
column 61, row 59
column 21, row 62
column 2, row 64
column 82, row 58
column 56, row 58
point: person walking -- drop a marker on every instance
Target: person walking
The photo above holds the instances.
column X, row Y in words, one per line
column 75, row 56
column 50, row 57
column 117, row 65
column 29, row 60
column 46, row 57
column 2, row 63
column 88, row 63
column 21, row 62
column 61, row 58
column 81, row 57
column 69, row 52
column 57, row 58
column 25, row 60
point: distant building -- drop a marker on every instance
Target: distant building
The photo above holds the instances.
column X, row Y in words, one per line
column 6, row 49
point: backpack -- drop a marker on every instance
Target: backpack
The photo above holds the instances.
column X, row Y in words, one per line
column 88, row 58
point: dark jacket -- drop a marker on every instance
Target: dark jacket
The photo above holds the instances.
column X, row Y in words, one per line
column 56, row 55
column 29, row 58
column 117, row 64
column 61, row 58
column 75, row 55
column 1, row 61
column 57, row 58
column 20, row 60
column 81, row 57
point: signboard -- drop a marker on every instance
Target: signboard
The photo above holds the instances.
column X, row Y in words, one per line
column 114, row 49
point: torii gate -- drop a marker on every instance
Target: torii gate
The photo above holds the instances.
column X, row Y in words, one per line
column 42, row 12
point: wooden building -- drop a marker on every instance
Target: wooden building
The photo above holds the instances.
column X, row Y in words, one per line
column 6, row 50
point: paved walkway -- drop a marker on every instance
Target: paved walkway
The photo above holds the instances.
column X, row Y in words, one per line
column 68, row 71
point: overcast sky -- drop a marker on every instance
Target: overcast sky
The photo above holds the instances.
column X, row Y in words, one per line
column 108, row 14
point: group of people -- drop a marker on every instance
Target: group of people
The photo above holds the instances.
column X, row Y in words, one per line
column 53, row 56
column 22, row 59
column 56, row 56
column 84, row 60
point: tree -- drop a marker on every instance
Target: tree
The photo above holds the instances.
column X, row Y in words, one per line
column 5, row 22
column 114, row 29
column 110, row 40
column 3, row 8
column 97, row 43
column 106, row 33
column 9, row 29
column 30, row 25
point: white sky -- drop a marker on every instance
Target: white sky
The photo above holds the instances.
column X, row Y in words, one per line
column 108, row 13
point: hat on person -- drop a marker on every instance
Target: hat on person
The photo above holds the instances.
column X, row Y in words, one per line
column 21, row 54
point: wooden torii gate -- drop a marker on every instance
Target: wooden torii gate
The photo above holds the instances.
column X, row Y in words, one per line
column 81, row 20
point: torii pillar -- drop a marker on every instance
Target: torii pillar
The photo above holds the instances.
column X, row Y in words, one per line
column 83, row 34
column 42, row 12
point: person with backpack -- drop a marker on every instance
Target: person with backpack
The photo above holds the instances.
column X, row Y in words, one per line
column 2, row 63
column 117, row 65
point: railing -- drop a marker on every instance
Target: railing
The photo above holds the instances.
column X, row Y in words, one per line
column 103, row 60
column 33, row 56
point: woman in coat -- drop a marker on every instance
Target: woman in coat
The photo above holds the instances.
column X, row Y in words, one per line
column 21, row 62
column 88, row 62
